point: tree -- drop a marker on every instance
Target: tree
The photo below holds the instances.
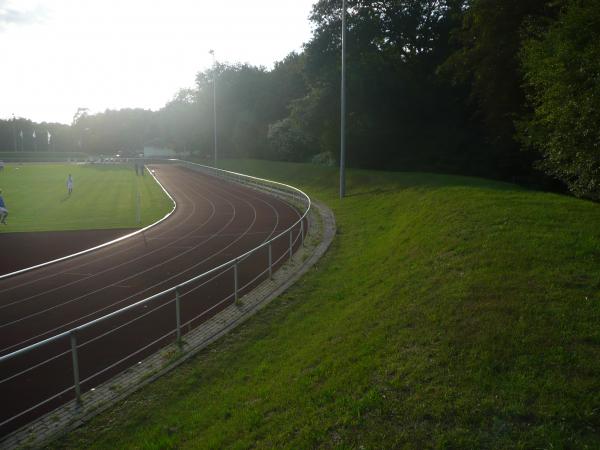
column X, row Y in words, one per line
column 183, row 125
column 562, row 78
column 296, row 137
column 401, row 113
column 487, row 61
column 249, row 98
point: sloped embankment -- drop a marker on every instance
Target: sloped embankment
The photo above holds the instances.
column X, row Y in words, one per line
column 449, row 312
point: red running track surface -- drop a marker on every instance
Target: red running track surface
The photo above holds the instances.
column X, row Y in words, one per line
column 214, row 222
column 22, row 250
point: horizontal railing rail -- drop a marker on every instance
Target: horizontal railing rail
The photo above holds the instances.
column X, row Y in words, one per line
column 294, row 196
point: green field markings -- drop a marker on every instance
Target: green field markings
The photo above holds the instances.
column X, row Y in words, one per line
column 450, row 312
column 104, row 196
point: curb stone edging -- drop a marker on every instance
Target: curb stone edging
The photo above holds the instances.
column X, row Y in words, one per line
column 321, row 231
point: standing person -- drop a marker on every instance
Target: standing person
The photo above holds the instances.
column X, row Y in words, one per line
column 70, row 184
column 1, row 165
column 3, row 210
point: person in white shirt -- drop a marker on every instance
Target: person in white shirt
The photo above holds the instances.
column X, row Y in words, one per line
column 70, row 184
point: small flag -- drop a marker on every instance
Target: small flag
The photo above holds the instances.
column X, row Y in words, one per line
column 33, row 134
column 49, row 136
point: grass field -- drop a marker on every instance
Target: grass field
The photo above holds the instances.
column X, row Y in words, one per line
column 449, row 313
column 104, row 196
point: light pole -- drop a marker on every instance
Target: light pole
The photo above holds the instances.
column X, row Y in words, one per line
column 343, row 109
column 212, row 52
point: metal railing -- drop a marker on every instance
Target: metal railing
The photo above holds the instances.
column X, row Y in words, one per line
column 75, row 338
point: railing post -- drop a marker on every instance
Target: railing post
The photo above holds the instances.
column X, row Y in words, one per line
column 290, row 245
column 270, row 262
column 75, row 366
column 235, row 281
column 178, row 317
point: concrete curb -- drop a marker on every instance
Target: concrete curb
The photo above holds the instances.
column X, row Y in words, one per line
column 322, row 230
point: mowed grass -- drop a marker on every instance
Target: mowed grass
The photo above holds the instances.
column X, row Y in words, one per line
column 450, row 312
column 104, row 196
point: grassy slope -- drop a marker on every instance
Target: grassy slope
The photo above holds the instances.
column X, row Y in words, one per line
column 103, row 197
column 449, row 312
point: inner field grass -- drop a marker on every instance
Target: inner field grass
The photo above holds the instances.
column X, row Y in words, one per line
column 104, row 196
column 450, row 312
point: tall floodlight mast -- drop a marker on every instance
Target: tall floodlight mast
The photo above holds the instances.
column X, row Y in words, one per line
column 343, row 109
column 212, row 52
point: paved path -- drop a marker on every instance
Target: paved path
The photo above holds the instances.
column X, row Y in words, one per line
column 214, row 222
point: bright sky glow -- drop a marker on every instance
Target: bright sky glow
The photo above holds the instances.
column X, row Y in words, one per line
column 59, row 55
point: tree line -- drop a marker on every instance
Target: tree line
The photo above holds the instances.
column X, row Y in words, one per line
column 507, row 89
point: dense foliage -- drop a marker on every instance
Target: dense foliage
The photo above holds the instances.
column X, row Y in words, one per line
column 562, row 66
column 498, row 89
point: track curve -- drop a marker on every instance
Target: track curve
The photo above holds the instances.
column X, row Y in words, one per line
column 214, row 222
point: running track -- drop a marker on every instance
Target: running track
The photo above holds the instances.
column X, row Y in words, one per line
column 214, row 222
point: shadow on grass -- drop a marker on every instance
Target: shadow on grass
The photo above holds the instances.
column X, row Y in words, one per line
column 361, row 185
column 398, row 180
column 372, row 192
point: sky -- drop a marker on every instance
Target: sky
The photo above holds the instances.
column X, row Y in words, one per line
column 60, row 55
